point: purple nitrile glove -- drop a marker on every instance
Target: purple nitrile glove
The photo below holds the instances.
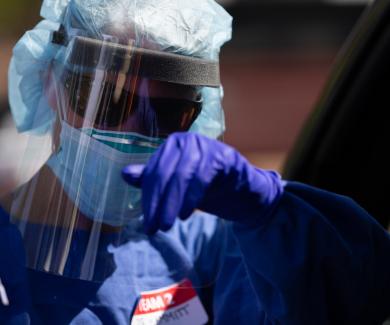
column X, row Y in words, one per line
column 190, row 171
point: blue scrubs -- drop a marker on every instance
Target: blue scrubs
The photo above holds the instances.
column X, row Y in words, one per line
column 318, row 258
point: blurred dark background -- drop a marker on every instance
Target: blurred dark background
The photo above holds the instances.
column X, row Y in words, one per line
column 273, row 70
column 276, row 66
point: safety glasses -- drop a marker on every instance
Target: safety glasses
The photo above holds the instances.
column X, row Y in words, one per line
column 131, row 104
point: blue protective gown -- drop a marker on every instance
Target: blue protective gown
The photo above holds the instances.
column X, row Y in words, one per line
column 318, row 259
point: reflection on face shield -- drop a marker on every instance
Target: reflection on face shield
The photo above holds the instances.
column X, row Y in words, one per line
column 149, row 107
column 115, row 105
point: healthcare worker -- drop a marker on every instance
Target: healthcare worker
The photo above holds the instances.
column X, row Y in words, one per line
column 124, row 90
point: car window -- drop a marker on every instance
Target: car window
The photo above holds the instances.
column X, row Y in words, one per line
column 343, row 146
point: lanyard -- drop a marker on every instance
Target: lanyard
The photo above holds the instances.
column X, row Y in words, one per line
column 3, row 295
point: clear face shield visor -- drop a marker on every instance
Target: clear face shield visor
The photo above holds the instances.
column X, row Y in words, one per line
column 114, row 104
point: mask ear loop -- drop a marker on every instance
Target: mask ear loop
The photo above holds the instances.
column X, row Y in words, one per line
column 56, row 132
column 57, row 126
column 55, row 82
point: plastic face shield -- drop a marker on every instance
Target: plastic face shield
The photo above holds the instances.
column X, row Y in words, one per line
column 115, row 104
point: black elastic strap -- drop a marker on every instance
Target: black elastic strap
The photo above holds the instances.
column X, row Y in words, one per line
column 59, row 37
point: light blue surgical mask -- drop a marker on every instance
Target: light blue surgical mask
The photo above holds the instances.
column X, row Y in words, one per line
column 89, row 165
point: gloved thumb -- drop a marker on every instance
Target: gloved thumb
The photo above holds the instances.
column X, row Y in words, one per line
column 132, row 174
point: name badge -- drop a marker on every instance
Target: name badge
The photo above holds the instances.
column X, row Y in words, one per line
column 177, row 304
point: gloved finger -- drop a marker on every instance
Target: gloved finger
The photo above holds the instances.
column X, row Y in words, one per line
column 206, row 172
column 132, row 174
column 174, row 193
column 193, row 195
column 156, row 176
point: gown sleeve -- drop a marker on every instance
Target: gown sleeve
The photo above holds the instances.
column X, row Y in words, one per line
column 319, row 259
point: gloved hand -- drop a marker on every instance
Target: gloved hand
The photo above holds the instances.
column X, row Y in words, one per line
column 14, row 295
column 190, row 171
